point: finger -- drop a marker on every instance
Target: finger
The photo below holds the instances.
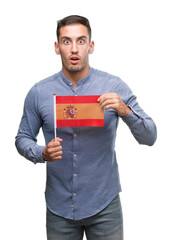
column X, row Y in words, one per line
column 54, row 144
column 57, row 154
column 56, row 159
column 107, row 102
column 102, row 98
column 106, row 96
column 57, row 140
column 113, row 106
column 54, row 149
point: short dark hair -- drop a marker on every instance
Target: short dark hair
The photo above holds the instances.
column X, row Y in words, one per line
column 73, row 19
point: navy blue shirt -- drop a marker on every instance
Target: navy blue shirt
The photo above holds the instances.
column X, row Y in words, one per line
column 86, row 180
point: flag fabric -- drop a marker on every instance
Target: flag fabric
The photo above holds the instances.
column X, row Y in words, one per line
column 78, row 111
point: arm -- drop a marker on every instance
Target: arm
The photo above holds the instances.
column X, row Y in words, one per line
column 26, row 142
column 31, row 122
column 141, row 125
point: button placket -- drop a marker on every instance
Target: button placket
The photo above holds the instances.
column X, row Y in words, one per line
column 75, row 171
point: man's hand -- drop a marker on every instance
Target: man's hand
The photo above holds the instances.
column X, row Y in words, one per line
column 112, row 100
column 53, row 151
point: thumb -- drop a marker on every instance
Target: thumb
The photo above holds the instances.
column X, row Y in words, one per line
column 57, row 139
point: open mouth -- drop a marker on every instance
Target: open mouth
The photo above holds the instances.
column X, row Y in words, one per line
column 74, row 60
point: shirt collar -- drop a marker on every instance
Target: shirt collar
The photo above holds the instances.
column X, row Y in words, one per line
column 81, row 81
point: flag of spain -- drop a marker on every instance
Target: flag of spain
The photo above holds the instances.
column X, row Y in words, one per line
column 78, row 111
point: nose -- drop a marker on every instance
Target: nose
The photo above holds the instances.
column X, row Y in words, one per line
column 74, row 48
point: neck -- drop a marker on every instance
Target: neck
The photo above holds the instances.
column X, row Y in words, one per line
column 76, row 76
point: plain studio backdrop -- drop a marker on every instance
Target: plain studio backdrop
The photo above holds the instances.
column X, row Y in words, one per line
column 133, row 40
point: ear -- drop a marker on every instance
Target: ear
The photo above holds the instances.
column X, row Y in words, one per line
column 56, row 46
column 91, row 49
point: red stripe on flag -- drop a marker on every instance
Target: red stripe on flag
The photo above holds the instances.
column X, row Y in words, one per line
column 77, row 99
column 81, row 123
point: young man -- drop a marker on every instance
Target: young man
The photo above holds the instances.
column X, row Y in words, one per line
column 82, row 190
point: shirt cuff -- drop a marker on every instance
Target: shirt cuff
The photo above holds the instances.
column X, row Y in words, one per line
column 131, row 118
column 39, row 155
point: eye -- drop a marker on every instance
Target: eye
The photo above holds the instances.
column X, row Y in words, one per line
column 66, row 41
column 81, row 41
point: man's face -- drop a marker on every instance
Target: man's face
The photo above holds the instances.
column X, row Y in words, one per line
column 74, row 47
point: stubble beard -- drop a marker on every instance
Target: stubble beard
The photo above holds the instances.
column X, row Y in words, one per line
column 74, row 68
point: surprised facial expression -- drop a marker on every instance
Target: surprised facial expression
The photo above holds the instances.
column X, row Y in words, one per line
column 74, row 47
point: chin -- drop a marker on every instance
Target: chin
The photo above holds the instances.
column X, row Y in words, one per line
column 75, row 69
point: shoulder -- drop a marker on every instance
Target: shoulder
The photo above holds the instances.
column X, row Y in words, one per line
column 108, row 78
column 42, row 88
column 100, row 73
column 112, row 83
column 48, row 81
column 43, row 85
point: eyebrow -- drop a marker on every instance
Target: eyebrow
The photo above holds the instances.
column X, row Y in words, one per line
column 66, row 37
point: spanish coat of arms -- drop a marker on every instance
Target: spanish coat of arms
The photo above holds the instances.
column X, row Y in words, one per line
column 70, row 112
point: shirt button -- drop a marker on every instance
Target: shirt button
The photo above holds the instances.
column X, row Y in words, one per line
column 74, row 194
column 75, row 155
column 74, row 174
column 75, row 135
column 70, row 84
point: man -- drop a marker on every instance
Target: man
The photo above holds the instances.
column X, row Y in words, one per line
column 82, row 190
